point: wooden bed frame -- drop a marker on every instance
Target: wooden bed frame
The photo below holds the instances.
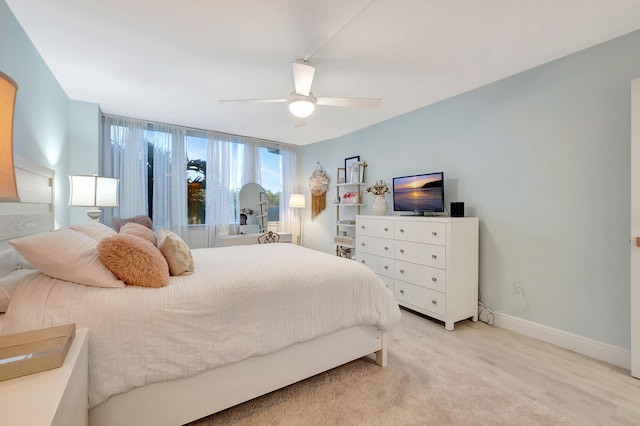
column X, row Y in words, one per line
column 184, row 400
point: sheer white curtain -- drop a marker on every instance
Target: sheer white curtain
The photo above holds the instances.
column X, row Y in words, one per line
column 169, row 178
column 221, row 179
column 288, row 216
column 251, row 167
column 124, row 155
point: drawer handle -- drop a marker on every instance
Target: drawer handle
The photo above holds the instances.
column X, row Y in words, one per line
column 386, row 267
column 362, row 261
column 433, row 256
column 401, row 230
column 401, row 250
column 433, row 302
column 362, row 244
column 434, row 233
column 402, row 271
column 386, row 229
column 386, row 248
column 362, row 226
column 434, row 279
column 401, row 291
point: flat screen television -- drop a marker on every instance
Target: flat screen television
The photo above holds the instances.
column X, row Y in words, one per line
column 419, row 194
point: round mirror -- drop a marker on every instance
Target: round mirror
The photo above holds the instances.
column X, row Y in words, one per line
column 253, row 209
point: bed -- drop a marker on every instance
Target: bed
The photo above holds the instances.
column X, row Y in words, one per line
column 249, row 320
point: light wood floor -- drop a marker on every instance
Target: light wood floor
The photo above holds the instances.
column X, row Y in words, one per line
column 589, row 391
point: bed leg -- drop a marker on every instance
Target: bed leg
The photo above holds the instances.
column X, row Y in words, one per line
column 381, row 355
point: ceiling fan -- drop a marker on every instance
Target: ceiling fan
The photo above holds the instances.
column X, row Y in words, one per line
column 302, row 102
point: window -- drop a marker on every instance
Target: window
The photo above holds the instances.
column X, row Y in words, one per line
column 196, row 179
column 271, row 177
column 173, row 162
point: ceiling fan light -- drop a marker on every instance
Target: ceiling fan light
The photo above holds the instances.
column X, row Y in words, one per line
column 301, row 108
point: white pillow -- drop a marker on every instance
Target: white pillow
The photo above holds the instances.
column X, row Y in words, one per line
column 94, row 229
column 176, row 252
column 8, row 285
column 68, row 255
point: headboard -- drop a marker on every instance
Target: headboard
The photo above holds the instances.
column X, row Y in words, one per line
column 32, row 215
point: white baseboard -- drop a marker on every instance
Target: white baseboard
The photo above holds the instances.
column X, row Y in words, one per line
column 604, row 352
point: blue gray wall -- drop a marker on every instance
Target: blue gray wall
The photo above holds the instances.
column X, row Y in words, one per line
column 542, row 158
column 41, row 119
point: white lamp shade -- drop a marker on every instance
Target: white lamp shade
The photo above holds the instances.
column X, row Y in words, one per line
column 301, row 108
column 8, row 187
column 297, row 201
column 93, row 191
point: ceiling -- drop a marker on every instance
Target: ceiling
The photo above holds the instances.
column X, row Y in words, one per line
column 173, row 61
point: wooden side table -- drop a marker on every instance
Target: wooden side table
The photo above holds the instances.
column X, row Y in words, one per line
column 53, row 397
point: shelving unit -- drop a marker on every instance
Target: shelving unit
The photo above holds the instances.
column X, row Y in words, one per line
column 345, row 236
column 262, row 217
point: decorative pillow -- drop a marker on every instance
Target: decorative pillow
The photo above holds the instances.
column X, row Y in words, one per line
column 134, row 260
column 141, row 219
column 8, row 285
column 94, row 229
column 68, row 255
column 176, row 252
column 139, row 231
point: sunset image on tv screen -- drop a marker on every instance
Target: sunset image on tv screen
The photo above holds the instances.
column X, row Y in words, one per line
column 418, row 193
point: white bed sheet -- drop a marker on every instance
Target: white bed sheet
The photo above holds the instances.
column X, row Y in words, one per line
column 242, row 301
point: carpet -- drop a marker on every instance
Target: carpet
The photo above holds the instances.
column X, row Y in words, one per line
column 419, row 387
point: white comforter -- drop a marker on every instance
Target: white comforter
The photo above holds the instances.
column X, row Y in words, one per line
column 241, row 301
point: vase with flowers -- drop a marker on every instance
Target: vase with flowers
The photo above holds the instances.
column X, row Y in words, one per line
column 379, row 189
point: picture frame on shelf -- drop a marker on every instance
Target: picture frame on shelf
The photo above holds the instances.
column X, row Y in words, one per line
column 341, row 175
column 351, row 164
column 361, row 167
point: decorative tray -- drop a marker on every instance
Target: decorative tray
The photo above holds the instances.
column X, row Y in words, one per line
column 34, row 351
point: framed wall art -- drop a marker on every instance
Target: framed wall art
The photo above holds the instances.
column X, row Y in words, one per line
column 351, row 169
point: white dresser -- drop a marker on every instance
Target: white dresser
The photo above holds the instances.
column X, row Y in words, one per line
column 430, row 263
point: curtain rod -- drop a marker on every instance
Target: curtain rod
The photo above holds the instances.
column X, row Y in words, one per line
column 200, row 130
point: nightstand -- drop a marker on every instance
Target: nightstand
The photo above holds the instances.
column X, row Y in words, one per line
column 52, row 397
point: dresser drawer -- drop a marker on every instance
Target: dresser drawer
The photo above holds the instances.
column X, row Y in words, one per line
column 424, row 276
column 374, row 245
column 423, row 298
column 375, row 228
column 421, row 232
column 424, row 254
column 378, row 264
column 389, row 282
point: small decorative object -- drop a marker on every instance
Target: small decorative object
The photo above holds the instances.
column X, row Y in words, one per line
column 318, row 185
column 351, row 169
column 378, row 189
column 337, row 200
column 223, row 231
column 350, row 198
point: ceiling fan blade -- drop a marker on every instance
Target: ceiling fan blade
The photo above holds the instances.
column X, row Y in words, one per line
column 303, row 77
column 254, row 100
column 350, row 102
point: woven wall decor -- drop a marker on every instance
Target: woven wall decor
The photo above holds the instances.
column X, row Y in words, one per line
column 318, row 185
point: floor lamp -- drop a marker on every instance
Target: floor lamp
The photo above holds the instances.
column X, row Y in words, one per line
column 297, row 202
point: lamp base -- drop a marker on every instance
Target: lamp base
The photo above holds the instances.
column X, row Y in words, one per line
column 94, row 214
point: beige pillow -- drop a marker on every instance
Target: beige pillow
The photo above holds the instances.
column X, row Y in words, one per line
column 176, row 252
column 68, row 255
column 141, row 219
column 8, row 285
column 139, row 231
column 94, row 229
column 134, row 260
